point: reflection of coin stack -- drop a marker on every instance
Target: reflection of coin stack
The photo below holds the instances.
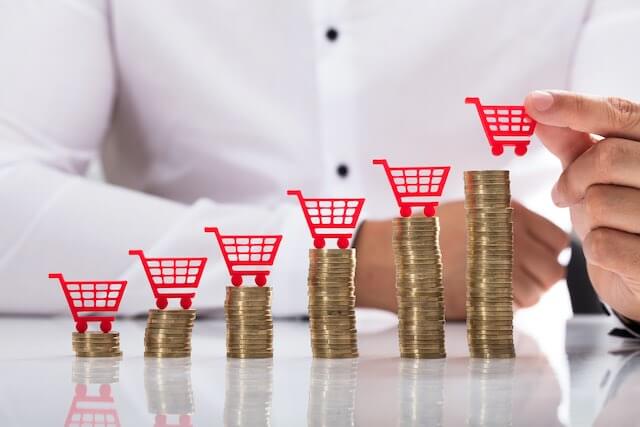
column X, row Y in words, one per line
column 489, row 264
column 95, row 371
column 168, row 333
column 419, row 287
column 490, row 393
column 332, row 395
column 421, row 392
column 249, row 322
column 332, row 303
column 167, row 384
column 248, row 392
column 96, row 344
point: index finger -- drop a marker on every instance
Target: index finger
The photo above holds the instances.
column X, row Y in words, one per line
column 608, row 117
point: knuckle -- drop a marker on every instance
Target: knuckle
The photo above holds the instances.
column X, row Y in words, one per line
column 623, row 113
column 597, row 245
column 595, row 205
column 607, row 156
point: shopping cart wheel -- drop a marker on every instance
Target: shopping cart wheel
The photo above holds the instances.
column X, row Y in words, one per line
column 261, row 280
column 105, row 390
column 162, row 303
column 405, row 211
column 185, row 303
column 497, row 150
column 81, row 390
column 429, row 211
column 521, row 150
column 184, row 420
column 105, row 326
column 318, row 243
column 236, row 280
column 81, row 326
column 161, row 420
column 343, row 243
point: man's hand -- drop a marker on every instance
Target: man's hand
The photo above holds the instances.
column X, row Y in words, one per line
column 537, row 244
column 597, row 141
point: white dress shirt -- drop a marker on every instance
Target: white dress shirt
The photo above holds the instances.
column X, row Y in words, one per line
column 214, row 108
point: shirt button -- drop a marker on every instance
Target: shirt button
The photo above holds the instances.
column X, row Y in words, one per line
column 342, row 170
column 332, row 34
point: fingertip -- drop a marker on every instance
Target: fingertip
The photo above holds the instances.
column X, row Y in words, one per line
column 539, row 101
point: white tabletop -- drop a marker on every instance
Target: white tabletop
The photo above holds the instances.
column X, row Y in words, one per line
column 595, row 380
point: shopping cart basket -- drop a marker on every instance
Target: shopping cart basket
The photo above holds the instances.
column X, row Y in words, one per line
column 505, row 125
column 90, row 411
column 330, row 218
column 247, row 255
column 170, row 278
column 92, row 297
column 414, row 186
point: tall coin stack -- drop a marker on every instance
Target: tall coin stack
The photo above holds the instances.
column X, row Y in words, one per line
column 96, row 344
column 168, row 333
column 249, row 322
column 489, row 264
column 331, row 290
column 419, row 287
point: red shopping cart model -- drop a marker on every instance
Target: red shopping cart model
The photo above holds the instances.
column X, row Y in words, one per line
column 330, row 218
column 505, row 125
column 98, row 411
column 170, row 278
column 92, row 297
column 414, row 186
column 247, row 255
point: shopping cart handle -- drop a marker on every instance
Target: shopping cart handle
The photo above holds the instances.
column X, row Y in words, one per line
column 55, row 276
column 472, row 100
column 138, row 252
column 382, row 162
column 294, row 193
column 211, row 230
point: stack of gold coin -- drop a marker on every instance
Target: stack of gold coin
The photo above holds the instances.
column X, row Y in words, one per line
column 168, row 333
column 249, row 322
column 489, row 264
column 332, row 300
column 96, row 344
column 419, row 288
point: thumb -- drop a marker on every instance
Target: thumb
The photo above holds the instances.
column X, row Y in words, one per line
column 563, row 142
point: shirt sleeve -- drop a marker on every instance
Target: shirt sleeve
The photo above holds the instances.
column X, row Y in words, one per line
column 57, row 87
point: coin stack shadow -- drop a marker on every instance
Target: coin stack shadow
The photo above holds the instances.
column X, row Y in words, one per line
column 331, row 290
column 332, row 393
column 168, row 333
column 96, row 344
column 248, row 392
column 489, row 264
column 491, row 392
column 422, row 392
column 419, row 288
column 249, row 322
column 167, row 384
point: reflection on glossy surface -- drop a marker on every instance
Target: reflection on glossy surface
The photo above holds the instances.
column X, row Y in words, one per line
column 93, row 403
column 332, row 392
column 421, row 392
column 167, row 384
column 248, row 392
column 490, row 392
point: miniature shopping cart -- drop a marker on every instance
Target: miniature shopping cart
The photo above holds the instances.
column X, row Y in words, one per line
column 247, row 255
column 98, row 411
column 91, row 298
column 505, row 125
column 172, row 278
column 416, row 186
column 330, row 218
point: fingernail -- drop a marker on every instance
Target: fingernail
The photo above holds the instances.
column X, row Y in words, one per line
column 541, row 100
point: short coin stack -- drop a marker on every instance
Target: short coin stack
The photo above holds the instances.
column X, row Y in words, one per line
column 489, row 264
column 96, row 344
column 419, row 287
column 331, row 289
column 249, row 322
column 168, row 333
